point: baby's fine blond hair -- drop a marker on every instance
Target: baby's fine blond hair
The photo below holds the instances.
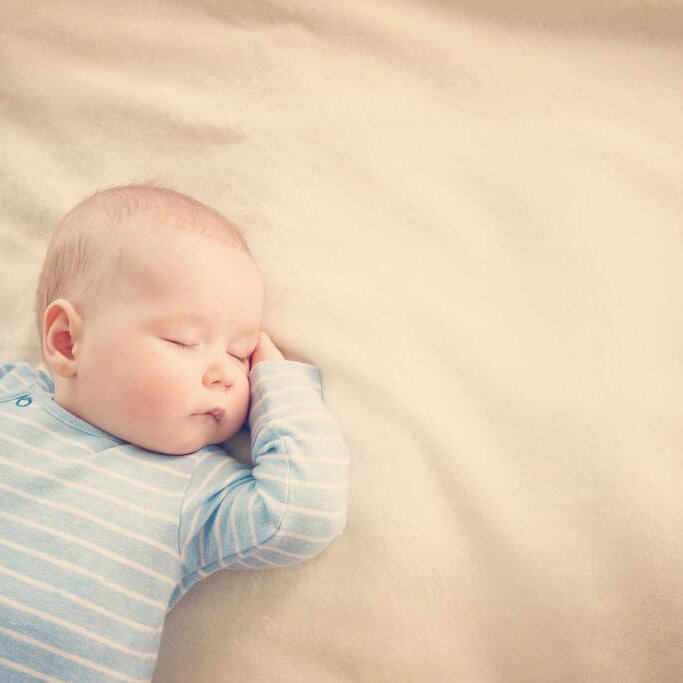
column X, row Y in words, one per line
column 90, row 238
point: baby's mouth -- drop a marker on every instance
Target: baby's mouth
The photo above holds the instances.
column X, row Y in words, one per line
column 215, row 413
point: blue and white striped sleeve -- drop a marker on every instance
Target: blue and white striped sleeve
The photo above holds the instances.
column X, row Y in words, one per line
column 292, row 503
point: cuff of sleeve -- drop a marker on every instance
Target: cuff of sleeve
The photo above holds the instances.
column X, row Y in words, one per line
column 269, row 378
column 268, row 366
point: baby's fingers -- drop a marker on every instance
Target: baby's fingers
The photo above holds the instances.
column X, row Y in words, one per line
column 265, row 350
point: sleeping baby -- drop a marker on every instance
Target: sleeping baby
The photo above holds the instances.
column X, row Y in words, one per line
column 116, row 492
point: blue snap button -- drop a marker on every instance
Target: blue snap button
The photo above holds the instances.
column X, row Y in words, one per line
column 23, row 401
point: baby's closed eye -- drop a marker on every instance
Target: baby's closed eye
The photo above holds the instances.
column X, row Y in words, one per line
column 187, row 346
column 180, row 344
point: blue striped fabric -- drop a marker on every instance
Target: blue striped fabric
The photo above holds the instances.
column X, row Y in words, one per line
column 100, row 538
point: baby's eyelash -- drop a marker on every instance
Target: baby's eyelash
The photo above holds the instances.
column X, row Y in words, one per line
column 187, row 346
column 177, row 343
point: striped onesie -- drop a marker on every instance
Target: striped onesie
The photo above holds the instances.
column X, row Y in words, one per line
column 100, row 538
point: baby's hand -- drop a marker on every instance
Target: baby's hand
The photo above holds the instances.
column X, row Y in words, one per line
column 265, row 350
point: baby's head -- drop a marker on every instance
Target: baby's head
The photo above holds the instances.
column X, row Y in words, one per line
column 148, row 308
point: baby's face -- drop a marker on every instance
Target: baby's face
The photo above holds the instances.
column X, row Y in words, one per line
column 169, row 342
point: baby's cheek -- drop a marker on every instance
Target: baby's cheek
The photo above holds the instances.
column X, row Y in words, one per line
column 240, row 408
column 156, row 395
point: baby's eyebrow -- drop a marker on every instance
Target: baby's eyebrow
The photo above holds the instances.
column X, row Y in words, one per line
column 184, row 317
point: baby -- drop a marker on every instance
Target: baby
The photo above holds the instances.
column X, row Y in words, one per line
column 116, row 492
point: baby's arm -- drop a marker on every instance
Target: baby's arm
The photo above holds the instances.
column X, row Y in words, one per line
column 292, row 503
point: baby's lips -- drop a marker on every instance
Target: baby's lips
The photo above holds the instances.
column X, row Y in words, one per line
column 215, row 413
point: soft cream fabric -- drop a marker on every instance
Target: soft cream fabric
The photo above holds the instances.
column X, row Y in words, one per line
column 469, row 216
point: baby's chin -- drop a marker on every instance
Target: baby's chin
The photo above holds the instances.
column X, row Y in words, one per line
column 189, row 445
column 179, row 450
column 168, row 445
column 181, row 447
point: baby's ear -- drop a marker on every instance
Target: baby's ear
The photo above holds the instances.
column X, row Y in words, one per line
column 61, row 333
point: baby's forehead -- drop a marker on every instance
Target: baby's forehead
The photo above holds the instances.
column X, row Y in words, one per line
column 171, row 262
column 145, row 242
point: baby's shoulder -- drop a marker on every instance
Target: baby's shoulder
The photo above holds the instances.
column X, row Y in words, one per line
column 20, row 375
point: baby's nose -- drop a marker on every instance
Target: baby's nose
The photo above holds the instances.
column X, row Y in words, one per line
column 219, row 373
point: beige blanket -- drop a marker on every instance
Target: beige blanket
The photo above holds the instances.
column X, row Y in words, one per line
column 469, row 216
